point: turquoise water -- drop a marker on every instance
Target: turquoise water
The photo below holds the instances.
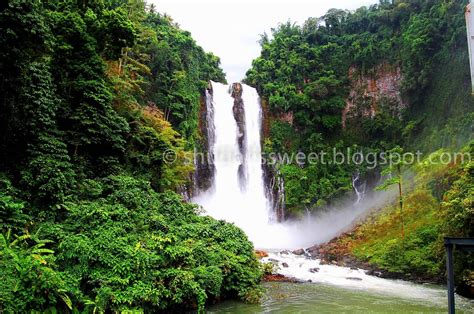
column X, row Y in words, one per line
column 321, row 298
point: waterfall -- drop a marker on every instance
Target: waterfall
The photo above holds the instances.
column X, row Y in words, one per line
column 237, row 194
column 275, row 192
column 358, row 186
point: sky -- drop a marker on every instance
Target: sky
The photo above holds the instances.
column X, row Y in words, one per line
column 231, row 29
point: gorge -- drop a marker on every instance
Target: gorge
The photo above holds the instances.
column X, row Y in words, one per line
column 238, row 190
column 135, row 178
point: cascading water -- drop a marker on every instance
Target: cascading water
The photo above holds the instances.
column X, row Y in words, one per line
column 359, row 187
column 237, row 193
column 245, row 205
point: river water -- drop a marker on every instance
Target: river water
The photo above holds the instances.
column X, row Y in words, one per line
column 326, row 298
column 334, row 289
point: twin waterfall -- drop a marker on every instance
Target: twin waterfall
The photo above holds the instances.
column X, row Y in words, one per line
column 230, row 186
column 230, row 181
column 237, row 192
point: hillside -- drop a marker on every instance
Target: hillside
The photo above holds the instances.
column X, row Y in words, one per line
column 389, row 78
column 92, row 93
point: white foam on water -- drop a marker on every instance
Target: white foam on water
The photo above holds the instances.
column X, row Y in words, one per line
column 299, row 267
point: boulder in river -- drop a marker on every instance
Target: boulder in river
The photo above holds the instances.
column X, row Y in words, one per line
column 261, row 254
column 298, row 252
column 373, row 272
column 314, row 270
column 354, row 278
column 285, row 265
column 279, row 278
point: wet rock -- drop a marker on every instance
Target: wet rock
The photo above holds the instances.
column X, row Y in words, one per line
column 298, row 252
column 309, row 280
column 285, row 265
column 261, row 254
column 239, row 116
column 373, row 272
column 279, row 278
column 273, row 261
column 204, row 168
column 285, row 252
column 354, row 268
column 466, row 289
column 274, row 190
column 354, row 278
column 314, row 270
column 313, row 251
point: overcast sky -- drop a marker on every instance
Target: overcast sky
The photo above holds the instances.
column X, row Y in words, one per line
column 230, row 29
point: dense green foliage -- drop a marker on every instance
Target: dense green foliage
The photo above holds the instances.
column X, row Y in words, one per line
column 441, row 204
column 91, row 95
column 312, row 75
column 308, row 73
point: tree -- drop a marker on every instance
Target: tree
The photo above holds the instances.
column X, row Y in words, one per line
column 48, row 170
column 394, row 175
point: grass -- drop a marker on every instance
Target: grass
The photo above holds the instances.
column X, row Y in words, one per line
column 379, row 239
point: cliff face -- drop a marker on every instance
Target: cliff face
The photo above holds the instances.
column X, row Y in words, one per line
column 204, row 172
column 274, row 182
column 239, row 116
column 370, row 92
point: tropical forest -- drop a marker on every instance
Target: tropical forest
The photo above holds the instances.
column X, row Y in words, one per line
column 137, row 175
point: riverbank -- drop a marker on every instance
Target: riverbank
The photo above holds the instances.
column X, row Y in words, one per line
column 338, row 252
column 336, row 288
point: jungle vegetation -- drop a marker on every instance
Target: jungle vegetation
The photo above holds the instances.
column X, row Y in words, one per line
column 91, row 95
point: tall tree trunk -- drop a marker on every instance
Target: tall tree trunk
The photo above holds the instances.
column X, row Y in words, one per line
column 400, row 200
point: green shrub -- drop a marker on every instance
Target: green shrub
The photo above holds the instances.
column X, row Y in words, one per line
column 28, row 278
column 134, row 248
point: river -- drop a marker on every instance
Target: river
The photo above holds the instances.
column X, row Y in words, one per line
column 334, row 289
column 326, row 298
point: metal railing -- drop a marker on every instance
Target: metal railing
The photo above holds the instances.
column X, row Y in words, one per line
column 463, row 244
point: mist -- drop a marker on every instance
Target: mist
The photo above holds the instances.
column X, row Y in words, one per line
column 316, row 228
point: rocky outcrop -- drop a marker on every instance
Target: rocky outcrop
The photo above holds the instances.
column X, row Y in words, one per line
column 279, row 278
column 204, row 160
column 370, row 92
column 298, row 252
column 275, row 191
column 261, row 254
column 239, row 116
